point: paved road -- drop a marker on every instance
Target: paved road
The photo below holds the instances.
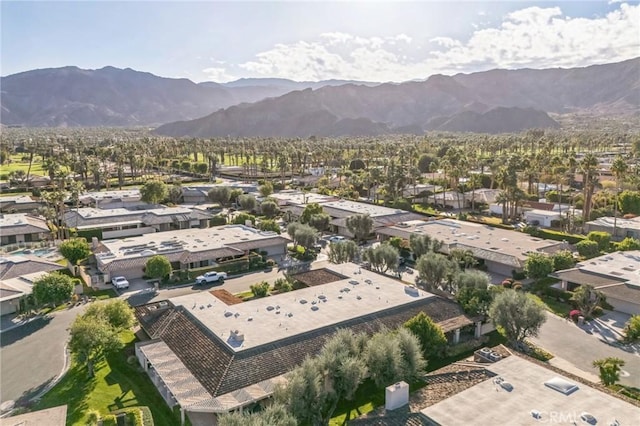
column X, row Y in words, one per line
column 232, row 285
column 581, row 346
column 33, row 354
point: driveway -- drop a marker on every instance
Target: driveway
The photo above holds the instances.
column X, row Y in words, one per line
column 580, row 346
column 33, row 354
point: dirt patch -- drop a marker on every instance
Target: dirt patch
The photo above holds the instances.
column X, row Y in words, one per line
column 226, row 297
column 318, row 277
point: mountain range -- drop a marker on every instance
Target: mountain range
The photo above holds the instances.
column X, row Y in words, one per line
column 73, row 97
column 494, row 101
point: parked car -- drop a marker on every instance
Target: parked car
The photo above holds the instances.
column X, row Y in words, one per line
column 337, row 239
column 120, row 282
column 211, row 277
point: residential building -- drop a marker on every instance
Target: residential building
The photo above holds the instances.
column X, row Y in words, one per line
column 502, row 251
column 616, row 275
column 208, row 357
column 449, row 200
column 522, row 392
column 14, row 266
column 12, row 290
column 124, row 199
column 542, row 218
column 618, row 228
column 185, row 249
column 19, row 204
column 22, row 228
column 120, row 222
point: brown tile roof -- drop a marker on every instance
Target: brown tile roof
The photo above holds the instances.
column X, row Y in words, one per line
column 220, row 371
column 10, row 269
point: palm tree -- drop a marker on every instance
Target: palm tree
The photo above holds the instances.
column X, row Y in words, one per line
column 609, row 369
column 619, row 168
column 589, row 168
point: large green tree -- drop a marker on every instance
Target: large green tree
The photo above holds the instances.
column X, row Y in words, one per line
column 309, row 210
column 54, row 288
column 431, row 337
column 220, row 195
column 95, row 333
column 158, row 267
column 75, row 250
column 153, row 191
column 517, row 316
column 538, row 265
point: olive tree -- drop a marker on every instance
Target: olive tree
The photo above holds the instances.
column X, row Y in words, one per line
column 269, row 208
column 360, row 225
column 382, row 258
column 220, row 194
column 95, row 333
column 303, row 235
column 433, row 271
column 75, row 250
column 343, row 252
column 274, row 414
column 314, row 388
column 517, row 316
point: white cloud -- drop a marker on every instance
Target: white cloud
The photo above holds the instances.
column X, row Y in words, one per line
column 218, row 74
column 532, row 37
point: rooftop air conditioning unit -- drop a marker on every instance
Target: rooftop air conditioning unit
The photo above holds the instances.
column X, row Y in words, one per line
column 495, row 356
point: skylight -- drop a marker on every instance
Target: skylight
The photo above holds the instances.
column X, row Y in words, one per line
column 561, row 385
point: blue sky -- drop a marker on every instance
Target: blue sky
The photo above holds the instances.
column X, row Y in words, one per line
column 372, row 41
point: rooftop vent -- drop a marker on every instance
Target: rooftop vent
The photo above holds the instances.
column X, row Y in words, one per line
column 314, row 308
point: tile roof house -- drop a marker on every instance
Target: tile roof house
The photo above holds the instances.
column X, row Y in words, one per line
column 14, row 289
column 208, row 357
column 21, row 228
column 12, row 266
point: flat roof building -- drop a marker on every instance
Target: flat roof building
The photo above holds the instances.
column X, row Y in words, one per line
column 501, row 250
column 209, row 357
column 121, row 222
column 622, row 228
column 185, row 248
column 616, row 275
column 22, row 228
column 530, row 398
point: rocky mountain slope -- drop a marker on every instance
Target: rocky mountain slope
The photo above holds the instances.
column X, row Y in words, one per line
column 491, row 102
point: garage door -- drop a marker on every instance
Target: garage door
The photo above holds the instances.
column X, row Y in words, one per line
column 498, row 268
column 624, row 306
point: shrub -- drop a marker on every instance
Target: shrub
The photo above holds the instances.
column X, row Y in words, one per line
column 109, row 420
column 632, row 329
column 587, row 248
column 260, row 289
column 93, row 416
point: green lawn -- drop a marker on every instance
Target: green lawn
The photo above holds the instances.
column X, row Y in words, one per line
column 552, row 304
column 116, row 385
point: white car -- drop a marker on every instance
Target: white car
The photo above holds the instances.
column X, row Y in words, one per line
column 120, row 282
column 211, row 277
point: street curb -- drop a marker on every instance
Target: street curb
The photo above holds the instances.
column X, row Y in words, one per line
column 21, row 323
